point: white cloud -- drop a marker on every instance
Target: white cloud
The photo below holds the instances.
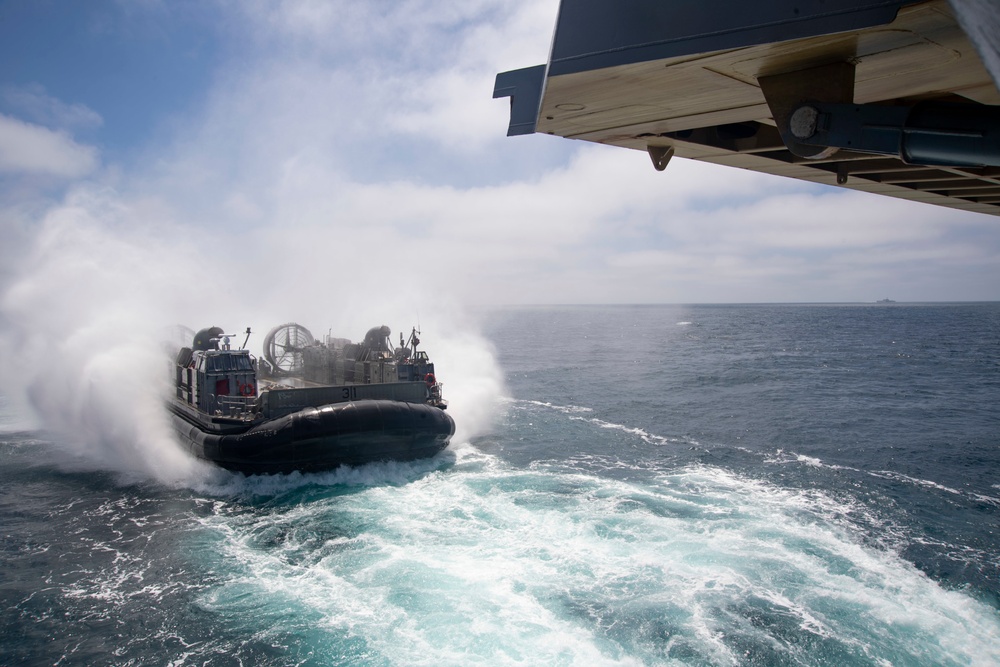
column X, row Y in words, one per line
column 413, row 34
column 362, row 140
column 32, row 149
column 419, row 69
column 804, row 221
column 33, row 102
column 602, row 227
column 454, row 103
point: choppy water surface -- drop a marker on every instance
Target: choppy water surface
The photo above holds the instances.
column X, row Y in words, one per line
column 713, row 485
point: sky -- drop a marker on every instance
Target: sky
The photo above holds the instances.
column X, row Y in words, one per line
column 334, row 143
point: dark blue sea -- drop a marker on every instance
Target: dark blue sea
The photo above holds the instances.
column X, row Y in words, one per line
column 649, row 485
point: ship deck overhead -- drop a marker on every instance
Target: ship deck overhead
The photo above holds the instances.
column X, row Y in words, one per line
column 894, row 97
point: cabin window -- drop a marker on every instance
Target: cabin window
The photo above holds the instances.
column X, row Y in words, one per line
column 219, row 363
column 230, row 362
column 222, row 387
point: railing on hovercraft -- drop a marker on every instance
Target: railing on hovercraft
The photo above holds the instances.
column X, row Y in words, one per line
column 236, row 407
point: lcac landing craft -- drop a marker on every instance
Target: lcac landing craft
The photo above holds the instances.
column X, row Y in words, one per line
column 308, row 405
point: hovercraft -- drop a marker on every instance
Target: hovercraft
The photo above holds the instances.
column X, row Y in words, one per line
column 308, row 406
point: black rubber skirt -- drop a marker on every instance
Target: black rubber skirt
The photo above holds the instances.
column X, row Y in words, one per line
column 325, row 438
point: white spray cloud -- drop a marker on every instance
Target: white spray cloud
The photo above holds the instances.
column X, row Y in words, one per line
column 105, row 275
column 82, row 333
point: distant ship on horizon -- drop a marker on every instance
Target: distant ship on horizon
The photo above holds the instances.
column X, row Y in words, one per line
column 885, row 301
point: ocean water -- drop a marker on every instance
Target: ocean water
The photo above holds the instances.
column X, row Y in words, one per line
column 661, row 485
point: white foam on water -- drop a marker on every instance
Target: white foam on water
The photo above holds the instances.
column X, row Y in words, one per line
column 989, row 500
column 782, row 457
column 889, row 474
column 482, row 564
column 642, row 434
column 574, row 414
column 225, row 484
column 568, row 409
